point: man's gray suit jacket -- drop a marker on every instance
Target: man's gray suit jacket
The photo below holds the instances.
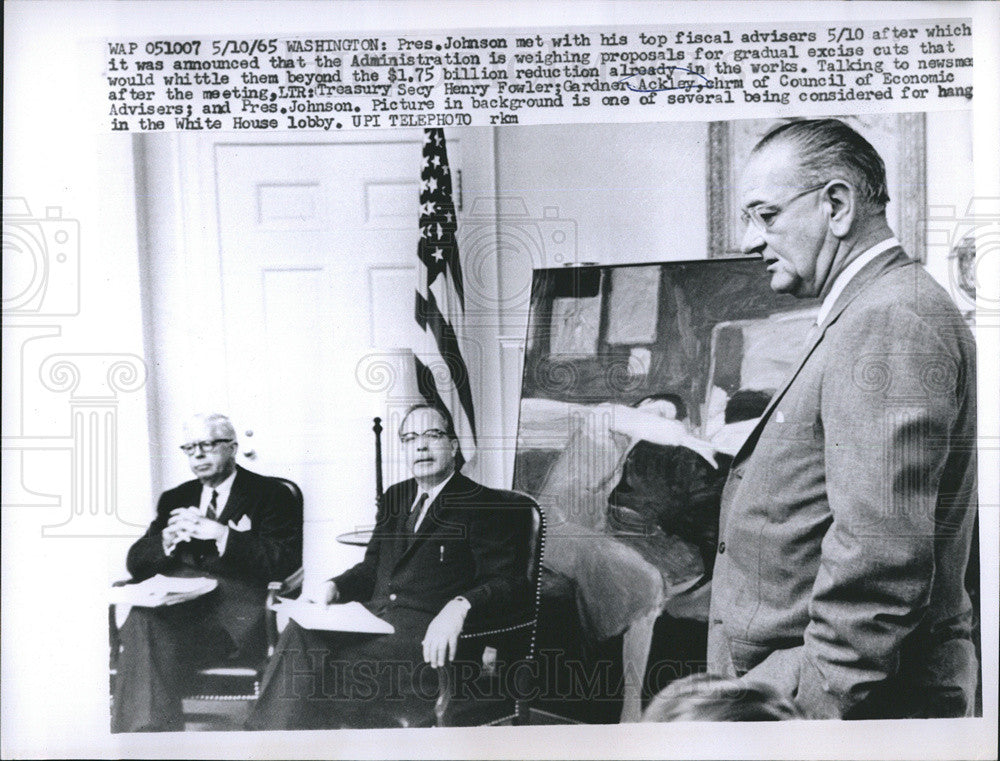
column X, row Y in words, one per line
column 847, row 516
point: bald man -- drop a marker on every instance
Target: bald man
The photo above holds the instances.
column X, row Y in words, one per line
column 229, row 524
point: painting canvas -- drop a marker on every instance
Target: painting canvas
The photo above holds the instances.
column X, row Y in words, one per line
column 701, row 328
column 638, row 422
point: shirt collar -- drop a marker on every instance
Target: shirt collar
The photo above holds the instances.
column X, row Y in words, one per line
column 433, row 492
column 849, row 273
column 222, row 490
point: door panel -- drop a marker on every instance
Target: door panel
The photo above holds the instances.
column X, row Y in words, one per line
column 318, row 250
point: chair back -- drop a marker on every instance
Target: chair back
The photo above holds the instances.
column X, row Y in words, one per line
column 516, row 640
column 292, row 487
column 536, row 545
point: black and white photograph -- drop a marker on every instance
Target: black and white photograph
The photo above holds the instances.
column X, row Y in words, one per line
column 551, row 435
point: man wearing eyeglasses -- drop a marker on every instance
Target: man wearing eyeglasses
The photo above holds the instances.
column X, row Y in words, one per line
column 848, row 513
column 229, row 524
column 445, row 551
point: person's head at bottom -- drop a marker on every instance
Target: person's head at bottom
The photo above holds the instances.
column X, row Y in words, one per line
column 707, row 697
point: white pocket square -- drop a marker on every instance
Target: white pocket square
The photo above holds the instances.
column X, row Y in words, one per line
column 779, row 417
column 243, row 525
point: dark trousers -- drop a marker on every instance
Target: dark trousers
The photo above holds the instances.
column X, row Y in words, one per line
column 160, row 649
column 331, row 680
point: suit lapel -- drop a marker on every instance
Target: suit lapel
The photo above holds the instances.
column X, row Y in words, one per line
column 238, row 496
column 396, row 520
column 751, row 440
column 191, row 495
column 431, row 521
column 889, row 260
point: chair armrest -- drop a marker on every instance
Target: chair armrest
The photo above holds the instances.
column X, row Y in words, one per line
column 481, row 634
column 445, row 693
column 290, row 584
column 114, row 641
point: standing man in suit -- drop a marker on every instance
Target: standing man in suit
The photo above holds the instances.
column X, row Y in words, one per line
column 229, row 524
column 445, row 551
column 847, row 515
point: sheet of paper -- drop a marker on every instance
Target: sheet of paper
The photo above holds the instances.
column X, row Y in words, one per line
column 162, row 590
column 347, row 617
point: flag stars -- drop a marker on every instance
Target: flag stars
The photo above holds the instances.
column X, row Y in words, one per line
column 427, row 207
column 438, row 255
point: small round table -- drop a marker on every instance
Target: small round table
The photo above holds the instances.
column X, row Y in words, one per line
column 359, row 538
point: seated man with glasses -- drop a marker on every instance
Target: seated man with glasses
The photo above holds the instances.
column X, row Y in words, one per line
column 229, row 524
column 445, row 552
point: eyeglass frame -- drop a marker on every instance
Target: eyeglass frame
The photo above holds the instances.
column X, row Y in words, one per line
column 203, row 446
column 431, row 434
column 750, row 214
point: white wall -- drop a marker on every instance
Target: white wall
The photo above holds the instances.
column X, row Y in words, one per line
column 636, row 192
column 72, row 492
column 949, row 193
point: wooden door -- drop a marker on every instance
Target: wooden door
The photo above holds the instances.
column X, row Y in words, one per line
column 318, row 250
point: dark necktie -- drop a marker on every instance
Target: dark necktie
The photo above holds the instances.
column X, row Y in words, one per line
column 211, row 513
column 411, row 521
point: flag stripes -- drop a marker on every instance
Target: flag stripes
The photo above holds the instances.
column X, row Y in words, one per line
column 440, row 366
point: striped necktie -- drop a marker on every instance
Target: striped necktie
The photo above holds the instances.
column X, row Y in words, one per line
column 212, row 512
column 418, row 506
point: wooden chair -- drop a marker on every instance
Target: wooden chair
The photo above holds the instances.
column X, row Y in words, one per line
column 226, row 681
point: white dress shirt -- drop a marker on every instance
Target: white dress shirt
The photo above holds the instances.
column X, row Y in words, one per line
column 432, row 494
column 222, row 498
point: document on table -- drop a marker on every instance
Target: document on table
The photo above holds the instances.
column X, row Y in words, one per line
column 162, row 590
column 346, row 617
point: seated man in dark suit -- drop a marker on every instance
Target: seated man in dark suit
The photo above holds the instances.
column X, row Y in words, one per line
column 445, row 552
column 232, row 525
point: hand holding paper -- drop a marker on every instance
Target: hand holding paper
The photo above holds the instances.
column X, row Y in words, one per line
column 323, row 592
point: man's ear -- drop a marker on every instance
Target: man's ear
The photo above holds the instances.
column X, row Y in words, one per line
column 842, row 201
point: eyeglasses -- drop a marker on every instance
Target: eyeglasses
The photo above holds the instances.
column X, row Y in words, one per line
column 203, row 446
column 434, row 434
column 762, row 215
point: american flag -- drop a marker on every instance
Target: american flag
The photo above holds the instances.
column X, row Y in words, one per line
column 442, row 375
